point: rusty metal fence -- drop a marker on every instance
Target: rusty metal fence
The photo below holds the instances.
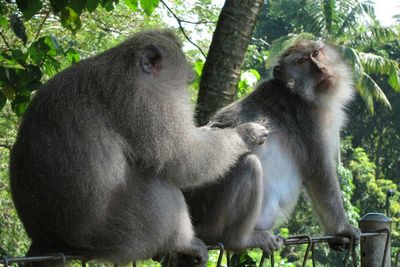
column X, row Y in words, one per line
column 374, row 247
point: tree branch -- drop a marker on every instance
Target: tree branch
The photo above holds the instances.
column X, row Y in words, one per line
column 198, row 22
column 41, row 25
column 182, row 29
column 5, row 41
column 7, row 146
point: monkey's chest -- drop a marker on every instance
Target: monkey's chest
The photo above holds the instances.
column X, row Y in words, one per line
column 282, row 184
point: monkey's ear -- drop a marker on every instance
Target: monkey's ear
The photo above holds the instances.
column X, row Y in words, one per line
column 151, row 59
column 277, row 72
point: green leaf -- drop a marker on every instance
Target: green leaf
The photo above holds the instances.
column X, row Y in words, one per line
column 3, row 100
column 29, row 7
column 70, row 19
column 51, row 66
column 55, row 43
column 3, row 22
column 255, row 73
column 394, row 79
column 73, row 56
column 132, row 4
column 34, row 73
column 19, row 56
column 11, row 75
column 198, row 67
column 8, row 92
column 52, row 51
column 18, row 27
column 78, row 5
column 20, row 104
column 38, row 50
column 58, row 5
column 149, row 6
column 107, row 4
column 91, row 5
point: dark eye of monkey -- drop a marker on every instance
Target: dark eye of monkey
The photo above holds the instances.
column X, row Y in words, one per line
column 315, row 53
column 302, row 60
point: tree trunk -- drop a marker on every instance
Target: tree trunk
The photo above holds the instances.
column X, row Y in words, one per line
column 221, row 70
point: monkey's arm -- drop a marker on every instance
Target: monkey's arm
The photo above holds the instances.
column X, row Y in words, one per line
column 324, row 190
column 207, row 153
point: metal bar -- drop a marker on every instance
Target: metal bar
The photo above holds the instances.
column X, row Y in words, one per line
column 295, row 240
column 313, row 254
column 351, row 245
column 397, row 258
column 272, row 259
column 307, row 251
column 262, row 259
column 5, row 260
column 387, row 231
column 354, row 256
column 221, row 249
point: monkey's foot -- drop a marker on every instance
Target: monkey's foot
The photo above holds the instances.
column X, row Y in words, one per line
column 267, row 242
column 194, row 255
column 341, row 244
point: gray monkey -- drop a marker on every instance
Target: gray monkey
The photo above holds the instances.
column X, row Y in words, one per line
column 303, row 107
column 105, row 148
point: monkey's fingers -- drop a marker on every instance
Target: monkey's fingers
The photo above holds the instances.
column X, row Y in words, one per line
column 216, row 124
column 339, row 243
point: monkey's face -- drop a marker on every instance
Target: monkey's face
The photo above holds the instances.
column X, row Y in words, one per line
column 314, row 71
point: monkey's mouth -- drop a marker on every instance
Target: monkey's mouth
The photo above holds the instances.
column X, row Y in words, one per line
column 326, row 81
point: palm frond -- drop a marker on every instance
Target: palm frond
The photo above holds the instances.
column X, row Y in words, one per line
column 350, row 13
column 382, row 66
column 370, row 90
column 373, row 36
column 315, row 9
column 364, row 63
column 329, row 14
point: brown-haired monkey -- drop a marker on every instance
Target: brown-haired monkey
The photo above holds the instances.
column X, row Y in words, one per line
column 303, row 107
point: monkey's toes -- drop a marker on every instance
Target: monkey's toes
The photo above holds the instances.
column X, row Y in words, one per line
column 272, row 243
column 342, row 243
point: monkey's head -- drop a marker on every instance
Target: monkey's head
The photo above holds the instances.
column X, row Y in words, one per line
column 316, row 72
column 150, row 59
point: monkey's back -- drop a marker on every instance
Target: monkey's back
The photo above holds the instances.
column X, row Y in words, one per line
column 51, row 164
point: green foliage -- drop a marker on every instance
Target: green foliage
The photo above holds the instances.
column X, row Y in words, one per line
column 248, row 80
column 18, row 27
column 29, row 7
column 349, row 23
column 13, row 239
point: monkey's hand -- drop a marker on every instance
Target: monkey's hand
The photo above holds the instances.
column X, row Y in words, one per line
column 348, row 231
column 218, row 124
column 252, row 134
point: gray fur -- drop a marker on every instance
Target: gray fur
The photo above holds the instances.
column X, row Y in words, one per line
column 304, row 117
column 106, row 147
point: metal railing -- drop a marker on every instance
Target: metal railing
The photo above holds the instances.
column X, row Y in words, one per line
column 375, row 248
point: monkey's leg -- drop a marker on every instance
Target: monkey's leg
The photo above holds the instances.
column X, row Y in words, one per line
column 240, row 233
column 237, row 202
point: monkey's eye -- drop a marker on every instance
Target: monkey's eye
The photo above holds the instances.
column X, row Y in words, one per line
column 315, row 53
column 302, row 60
